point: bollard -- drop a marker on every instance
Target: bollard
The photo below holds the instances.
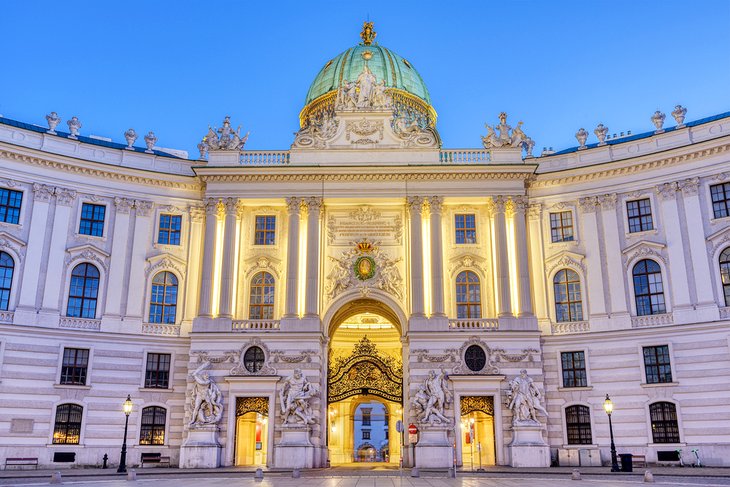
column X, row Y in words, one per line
column 296, row 473
column 452, row 473
column 575, row 475
column 648, row 476
column 105, row 459
column 132, row 475
column 56, row 478
column 259, row 475
column 415, row 472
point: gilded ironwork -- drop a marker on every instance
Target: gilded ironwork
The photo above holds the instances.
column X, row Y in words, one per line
column 368, row 34
column 365, row 371
column 470, row 404
column 252, row 404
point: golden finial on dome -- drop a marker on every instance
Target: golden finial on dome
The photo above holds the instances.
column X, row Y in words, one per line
column 368, row 34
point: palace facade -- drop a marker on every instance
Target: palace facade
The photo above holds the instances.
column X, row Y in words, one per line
column 259, row 306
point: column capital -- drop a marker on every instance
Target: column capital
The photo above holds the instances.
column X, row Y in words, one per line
column 293, row 205
column 517, row 204
column 313, row 203
column 197, row 213
column 608, row 201
column 415, row 203
column 123, row 205
column 436, row 204
column 666, row 191
column 589, row 204
column 232, row 206
column 534, row 211
column 65, row 196
column 689, row 186
column 211, row 206
column 42, row 192
column 143, row 207
column 497, row 204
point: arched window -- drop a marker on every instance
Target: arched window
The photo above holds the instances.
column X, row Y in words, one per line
column 163, row 303
column 6, row 279
column 724, row 274
column 83, row 292
column 578, row 425
column 67, row 427
column 468, row 295
column 568, row 300
column 261, row 304
column 648, row 288
column 254, row 359
column 152, row 431
column 664, row 426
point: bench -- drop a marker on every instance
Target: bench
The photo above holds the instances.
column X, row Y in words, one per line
column 156, row 458
column 21, row 462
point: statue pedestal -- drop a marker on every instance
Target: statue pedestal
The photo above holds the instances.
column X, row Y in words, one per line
column 506, row 155
column 528, row 449
column 201, row 448
column 434, row 450
column 294, row 450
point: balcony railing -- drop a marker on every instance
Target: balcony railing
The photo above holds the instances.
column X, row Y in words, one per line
column 161, row 329
column 81, row 323
column 464, row 156
column 490, row 324
column 567, row 327
column 6, row 316
column 250, row 325
column 264, row 157
column 652, row 320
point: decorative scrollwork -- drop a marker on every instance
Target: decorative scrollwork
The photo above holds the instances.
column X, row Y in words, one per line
column 303, row 356
column 252, row 405
column 470, row 404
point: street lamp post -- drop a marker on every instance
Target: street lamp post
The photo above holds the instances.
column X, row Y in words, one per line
column 127, row 408
column 608, row 406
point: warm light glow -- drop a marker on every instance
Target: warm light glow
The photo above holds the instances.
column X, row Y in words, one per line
column 512, row 257
column 302, row 280
column 427, row 278
column 608, row 405
column 217, row 267
column 127, row 405
column 495, row 279
column 235, row 267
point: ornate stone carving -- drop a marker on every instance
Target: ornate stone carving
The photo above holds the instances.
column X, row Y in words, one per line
column 224, row 138
column 365, row 93
column 435, row 203
column 150, row 140
column 142, row 207
column 165, row 262
column 318, row 132
column 87, row 253
column 679, row 113
column 42, row 192
column 412, row 134
column 294, row 397
column 432, row 399
column 12, row 245
column 525, row 400
column 534, row 211
column 206, row 400
column 608, row 201
column 589, row 204
column 65, row 196
column 582, row 135
column 240, row 367
column 497, row 204
column 448, row 355
column 601, row 132
column 211, row 207
column 131, row 137
column 365, row 266
column 203, row 149
column 293, row 205
column 197, row 213
column 667, row 191
column 470, row 404
column 53, row 120
column 658, row 120
column 258, row 405
column 643, row 250
column 564, row 259
column 507, row 137
column 529, row 145
column 73, row 127
column 368, row 131
column 303, row 356
column 489, row 367
column 690, row 186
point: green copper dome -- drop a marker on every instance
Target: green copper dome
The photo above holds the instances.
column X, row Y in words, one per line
column 386, row 65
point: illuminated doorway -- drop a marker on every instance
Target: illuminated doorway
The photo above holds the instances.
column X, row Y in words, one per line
column 252, row 425
column 477, row 432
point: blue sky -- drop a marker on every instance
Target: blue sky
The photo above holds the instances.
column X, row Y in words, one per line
column 176, row 67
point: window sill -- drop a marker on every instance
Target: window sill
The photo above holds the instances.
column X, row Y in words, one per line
column 12, row 225
column 591, row 446
column 665, row 445
column 91, row 237
column 150, row 446
column 653, row 231
column 67, row 445
column 155, row 389
column 71, row 386
column 570, row 389
column 659, row 384
column 167, row 247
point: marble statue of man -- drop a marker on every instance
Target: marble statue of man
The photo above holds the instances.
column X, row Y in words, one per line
column 294, row 399
column 206, row 399
column 525, row 399
column 366, row 84
column 432, row 397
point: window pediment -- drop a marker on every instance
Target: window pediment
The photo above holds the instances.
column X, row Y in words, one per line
column 644, row 249
column 565, row 258
column 467, row 261
column 14, row 246
column 87, row 252
column 165, row 262
column 716, row 240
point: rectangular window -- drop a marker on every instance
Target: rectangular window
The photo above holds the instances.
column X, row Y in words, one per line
column 466, row 229
column 169, row 233
column 574, row 369
column 365, row 435
column 578, row 425
column 157, row 373
column 561, row 226
column 366, row 419
column 74, row 366
column 10, row 202
column 720, row 200
column 92, row 220
column 639, row 212
column 265, row 233
column 657, row 365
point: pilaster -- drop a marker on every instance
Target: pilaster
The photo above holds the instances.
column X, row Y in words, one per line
column 59, row 235
column 594, row 279
column 140, row 244
column 526, row 314
column 415, row 209
column 232, row 211
column 120, row 241
column 311, row 304
column 618, row 313
column 292, row 260
column 203, row 322
column 437, row 259
column 497, row 206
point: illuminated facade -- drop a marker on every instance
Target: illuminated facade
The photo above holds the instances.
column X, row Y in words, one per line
column 251, row 301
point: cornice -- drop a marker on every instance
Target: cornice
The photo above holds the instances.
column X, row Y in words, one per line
column 589, row 173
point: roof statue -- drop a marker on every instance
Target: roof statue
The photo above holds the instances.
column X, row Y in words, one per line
column 368, row 34
column 228, row 139
column 503, row 136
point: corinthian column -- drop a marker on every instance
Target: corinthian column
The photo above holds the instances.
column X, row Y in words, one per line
column 292, row 257
column 519, row 205
column 504, row 306
column 437, row 258
column 415, row 206
column 227, row 265
column 206, row 280
column 312, row 290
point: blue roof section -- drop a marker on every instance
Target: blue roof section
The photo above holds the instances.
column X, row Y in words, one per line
column 645, row 135
column 82, row 138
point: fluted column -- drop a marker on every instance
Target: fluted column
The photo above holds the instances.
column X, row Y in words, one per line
column 205, row 307
column 504, row 305
column 227, row 263
column 415, row 207
column 314, row 206
column 437, row 258
column 292, row 257
column 519, row 205
column 537, row 266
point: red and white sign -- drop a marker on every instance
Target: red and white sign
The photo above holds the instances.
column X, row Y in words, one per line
column 412, row 429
